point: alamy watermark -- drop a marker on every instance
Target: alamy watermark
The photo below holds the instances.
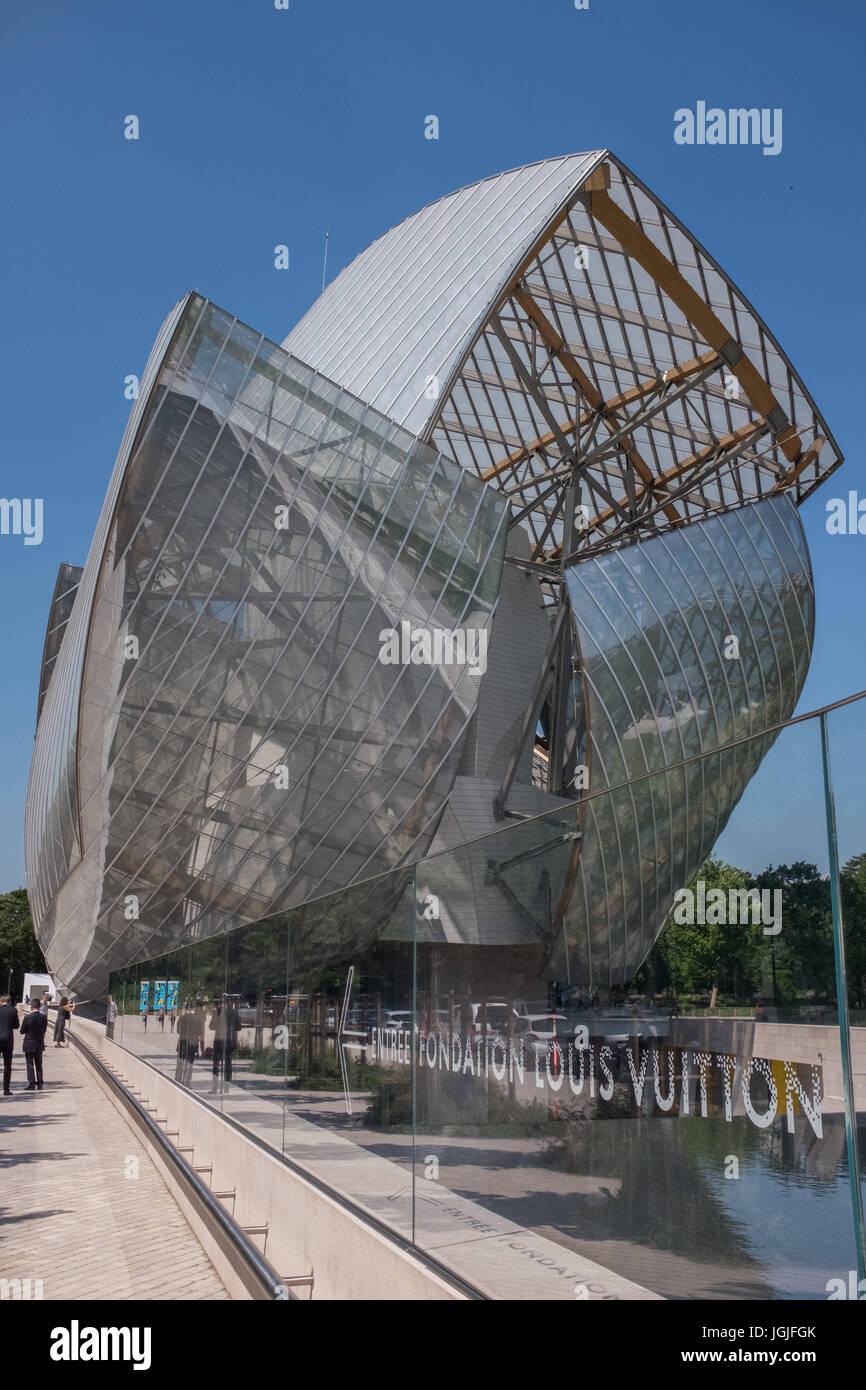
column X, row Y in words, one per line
column 77, row 1343
column 740, row 125
column 846, row 518
column 434, row 646
column 22, row 516
column 854, row 1289
column 717, row 907
column 21, row 1289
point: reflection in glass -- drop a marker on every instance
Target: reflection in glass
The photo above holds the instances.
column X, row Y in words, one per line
column 680, row 1135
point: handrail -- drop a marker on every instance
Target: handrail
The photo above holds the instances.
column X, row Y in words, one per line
column 263, row 1275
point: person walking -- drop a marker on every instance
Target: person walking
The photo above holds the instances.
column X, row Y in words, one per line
column 217, row 1026
column 233, row 1026
column 33, row 1026
column 196, row 1032
column 110, row 1016
column 190, row 1037
column 180, row 1073
column 8, row 1026
column 64, row 1014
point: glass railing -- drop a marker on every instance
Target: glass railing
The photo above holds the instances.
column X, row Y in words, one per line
column 479, row 1053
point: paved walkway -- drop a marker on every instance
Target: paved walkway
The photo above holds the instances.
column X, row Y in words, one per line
column 72, row 1211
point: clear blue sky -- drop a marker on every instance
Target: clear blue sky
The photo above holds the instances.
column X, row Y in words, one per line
column 261, row 126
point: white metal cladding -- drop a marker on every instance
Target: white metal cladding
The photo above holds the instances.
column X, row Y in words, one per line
column 407, row 308
column 62, row 603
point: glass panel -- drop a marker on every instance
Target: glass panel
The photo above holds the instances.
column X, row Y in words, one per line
column 438, row 1046
column 271, row 529
column 677, row 1132
column 846, row 738
column 300, row 1028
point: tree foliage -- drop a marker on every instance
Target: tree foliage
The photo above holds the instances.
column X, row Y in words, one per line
column 795, row 966
column 19, row 949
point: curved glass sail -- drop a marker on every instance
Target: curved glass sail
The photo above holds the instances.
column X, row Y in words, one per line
column 688, row 641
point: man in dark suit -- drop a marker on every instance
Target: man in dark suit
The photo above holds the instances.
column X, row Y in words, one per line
column 8, row 1025
column 33, row 1026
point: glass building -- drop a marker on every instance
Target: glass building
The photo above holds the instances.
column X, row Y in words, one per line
column 417, row 667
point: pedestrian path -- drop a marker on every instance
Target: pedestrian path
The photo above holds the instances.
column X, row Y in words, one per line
column 82, row 1207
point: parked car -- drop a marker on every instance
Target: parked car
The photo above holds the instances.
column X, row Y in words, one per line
column 398, row 1018
column 499, row 1015
column 543, row 1035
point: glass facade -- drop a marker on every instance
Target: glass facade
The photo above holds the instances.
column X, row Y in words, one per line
column 682, row 1134
column 687, row 642
column 241, row 746
column 62, row 601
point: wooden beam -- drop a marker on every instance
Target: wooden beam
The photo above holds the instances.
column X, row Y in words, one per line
column 634, row 393
column 808, row 456
column 638, row 245
column 543, row 441
column 554, row 340
column 585, row 384
column 672, row 377
column 599, row 178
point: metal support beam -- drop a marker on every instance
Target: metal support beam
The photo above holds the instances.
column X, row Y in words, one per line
column 561, row 686
column 703, row 365
column 808, row 456
column 588, row 388
column 643, row 417
column 530, row 718
column 555, row 486
column 529, row 384
column 725, row 446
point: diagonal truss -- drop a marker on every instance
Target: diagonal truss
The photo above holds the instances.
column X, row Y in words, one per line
column 621, row 386
column 621, row 363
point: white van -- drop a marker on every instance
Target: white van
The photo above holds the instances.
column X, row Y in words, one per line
column 36, row 985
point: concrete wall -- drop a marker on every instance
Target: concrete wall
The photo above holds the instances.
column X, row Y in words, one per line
column 817, row 1044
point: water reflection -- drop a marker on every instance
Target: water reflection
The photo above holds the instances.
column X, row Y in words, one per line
column 686, row 1204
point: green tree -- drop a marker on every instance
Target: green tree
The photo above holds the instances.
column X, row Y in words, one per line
column 704, row 956
column 19, row 949
column 853, row 884
column 802, row 954
column 707, row 952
